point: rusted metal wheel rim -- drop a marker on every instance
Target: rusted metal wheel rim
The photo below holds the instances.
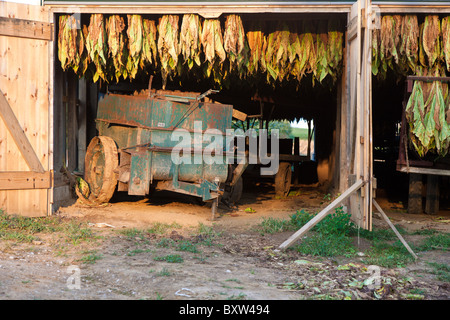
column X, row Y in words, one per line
column 101, row 162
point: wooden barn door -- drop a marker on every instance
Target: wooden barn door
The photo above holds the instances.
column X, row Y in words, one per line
column 359, row 111
column 25, row 110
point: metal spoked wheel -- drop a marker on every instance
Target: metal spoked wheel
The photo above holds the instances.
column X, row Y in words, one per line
column 283, row 179
column 101, row 162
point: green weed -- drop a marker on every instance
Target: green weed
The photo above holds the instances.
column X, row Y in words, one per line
column 441, row 270
column 388, row 255
column 187, row 246
column 91, row 258
column 171, row 258
column 436, row 241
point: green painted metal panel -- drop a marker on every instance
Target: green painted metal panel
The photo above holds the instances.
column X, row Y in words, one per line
column 139, row 184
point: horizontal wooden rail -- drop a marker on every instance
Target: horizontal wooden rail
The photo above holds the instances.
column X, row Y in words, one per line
column 19, row 180
column 22, row 28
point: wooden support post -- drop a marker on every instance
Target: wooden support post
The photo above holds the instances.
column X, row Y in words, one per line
column 308, row 152
column 432, row 200
column 381, row 212
column 296, row 163
column 72, row 124
column 415, row 193
column 358, row 184
column 82, row 129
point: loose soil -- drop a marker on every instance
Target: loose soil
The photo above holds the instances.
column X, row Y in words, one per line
column 237, row 263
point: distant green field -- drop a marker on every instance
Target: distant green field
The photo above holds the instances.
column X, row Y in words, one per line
column 302, row 133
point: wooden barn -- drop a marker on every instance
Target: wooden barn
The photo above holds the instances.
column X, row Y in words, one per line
column 356, row 95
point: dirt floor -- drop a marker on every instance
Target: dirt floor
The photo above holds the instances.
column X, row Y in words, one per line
column 241, row 263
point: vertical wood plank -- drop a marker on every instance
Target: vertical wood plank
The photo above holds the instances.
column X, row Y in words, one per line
column 82, row 129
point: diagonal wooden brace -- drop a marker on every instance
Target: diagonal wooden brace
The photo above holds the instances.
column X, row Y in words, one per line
column 16, row 131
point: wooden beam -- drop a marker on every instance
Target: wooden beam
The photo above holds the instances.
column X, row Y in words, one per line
column 19, row 180
column 239, row 115
column 181, row 7
column 22, row 28
column 381, row 212
column 13, row 125
column 439, row 172
column 311, row 223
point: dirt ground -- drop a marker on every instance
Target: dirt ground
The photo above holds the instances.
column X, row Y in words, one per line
column 242, row 264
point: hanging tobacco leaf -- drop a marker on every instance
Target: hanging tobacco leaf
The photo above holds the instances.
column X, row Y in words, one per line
column 212, row 42
column 322, row 66
column 135, row 37
column 168, row 46
column 85, row 59
column 235, row 44
column 308, row 46
column 70, row 42
column 257, row 44
column 388, row 49
column 63, row 39
column 397, row 32
column 277, row 54
column 190, row 40
column 430, row 39
column 446, row 41
column 409, row 47
column 375, row 51
column 149, row 48
column 297, row 69
column 426, row 114
column 96, row 45
column 335, row 48
column 401, row 65
column 117, row 45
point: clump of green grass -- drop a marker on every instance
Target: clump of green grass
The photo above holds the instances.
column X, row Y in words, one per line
column 171, row 258
column 442, row 271
column 206, row 234
column 320, row 244
column 389, row 255
column 165, row 243
column 161, row 228
column 335, row 223
column 164, row 272
column 187, row 246
column 91, row 257
column 156, row 228
column 132, row 233
column 271, row 225
column 77, row 233
column 436, row 241
column 26, row 229
column 330, row 236
column 26, row 224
